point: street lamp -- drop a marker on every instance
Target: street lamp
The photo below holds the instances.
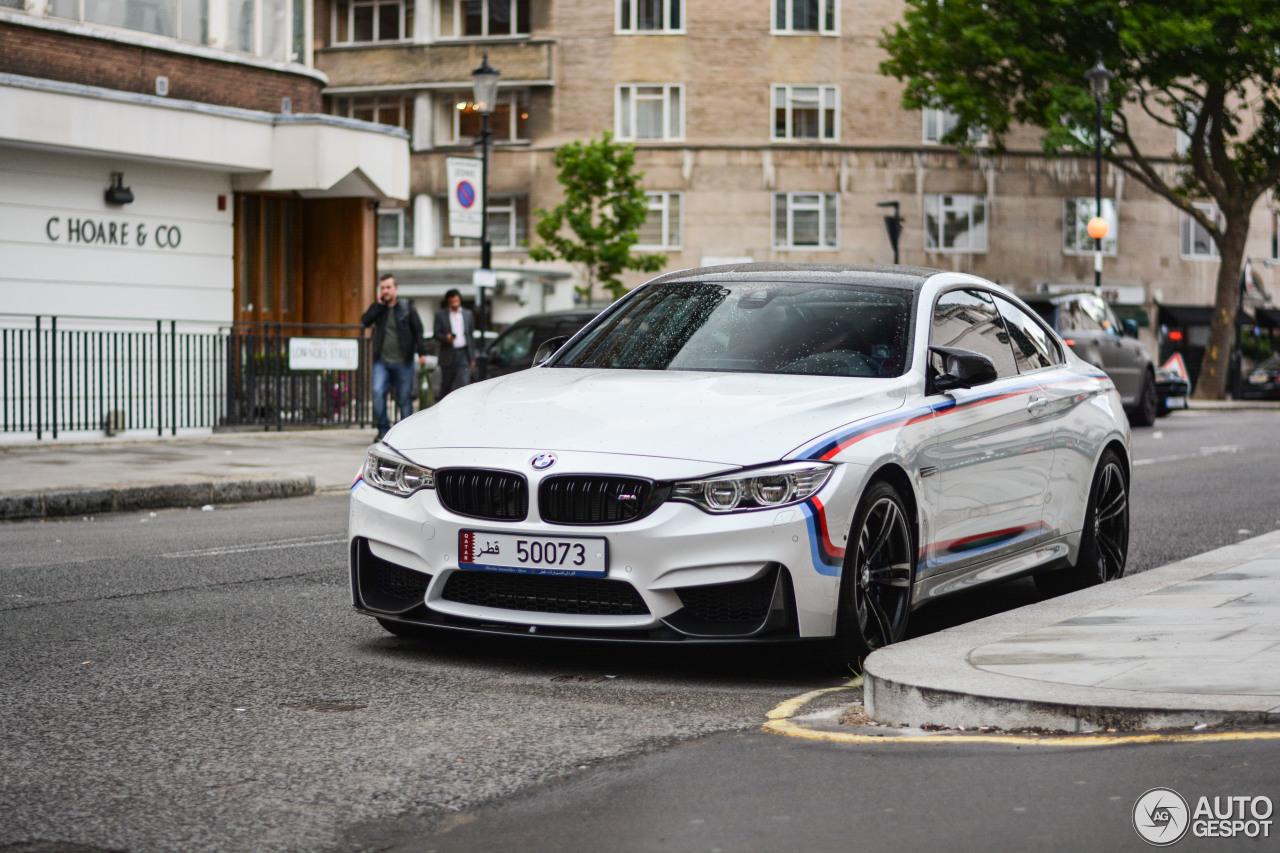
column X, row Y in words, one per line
column 1099, row 77
column 893, row 225
column 484, row 80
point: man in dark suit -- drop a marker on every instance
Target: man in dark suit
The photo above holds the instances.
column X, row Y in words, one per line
column 455, row 332
column 394, row 345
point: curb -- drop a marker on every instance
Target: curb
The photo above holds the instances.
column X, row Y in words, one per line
column 153, row 496
column 933, row 679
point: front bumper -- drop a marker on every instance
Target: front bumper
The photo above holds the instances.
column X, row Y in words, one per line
column 677, row 574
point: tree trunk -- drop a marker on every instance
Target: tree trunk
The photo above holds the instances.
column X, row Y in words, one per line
column 1215, row 370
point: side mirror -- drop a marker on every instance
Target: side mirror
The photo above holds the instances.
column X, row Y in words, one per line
column 1130, row 327
column 548, row 349
column 963, row 368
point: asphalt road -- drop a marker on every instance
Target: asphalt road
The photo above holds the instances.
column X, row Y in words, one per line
column 191, row 680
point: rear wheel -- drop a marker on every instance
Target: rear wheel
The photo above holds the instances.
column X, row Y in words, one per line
column 1104, row 544
column 1145, row 411
column 875, row 584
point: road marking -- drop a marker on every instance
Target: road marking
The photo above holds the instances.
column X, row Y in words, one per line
column 1182, row 457
column 304, row 542
column 780, row 722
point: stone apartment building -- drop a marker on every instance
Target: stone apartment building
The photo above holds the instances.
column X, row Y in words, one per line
column 765, row 131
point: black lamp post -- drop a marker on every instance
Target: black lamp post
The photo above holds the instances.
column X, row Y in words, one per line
column 893, row 225
column 485, row 82
column 1099, row 77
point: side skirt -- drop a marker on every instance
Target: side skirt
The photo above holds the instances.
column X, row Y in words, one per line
column 1044, row 556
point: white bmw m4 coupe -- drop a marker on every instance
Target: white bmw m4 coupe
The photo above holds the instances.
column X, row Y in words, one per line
column 751, row 453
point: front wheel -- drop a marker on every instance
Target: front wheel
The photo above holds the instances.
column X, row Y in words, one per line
column 1104, row 544
column 875, row 584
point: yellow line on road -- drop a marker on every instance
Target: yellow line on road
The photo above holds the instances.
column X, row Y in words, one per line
column 780, row 722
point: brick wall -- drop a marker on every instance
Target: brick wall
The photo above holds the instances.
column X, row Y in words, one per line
column 131, row 68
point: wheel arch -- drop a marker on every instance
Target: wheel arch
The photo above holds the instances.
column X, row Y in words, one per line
column 895, row 475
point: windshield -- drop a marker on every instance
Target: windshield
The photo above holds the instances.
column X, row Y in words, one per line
column 753, row 327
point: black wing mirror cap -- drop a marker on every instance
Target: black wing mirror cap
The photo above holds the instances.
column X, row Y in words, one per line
column 963, row 368
column 548, row 349
column 1130, row 327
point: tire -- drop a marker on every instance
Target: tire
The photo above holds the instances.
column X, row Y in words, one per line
column 404, row 629
column 1104, row 544
column 875, row 583
column 1145, row 411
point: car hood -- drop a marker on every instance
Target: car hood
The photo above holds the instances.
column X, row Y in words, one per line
column 726, row 418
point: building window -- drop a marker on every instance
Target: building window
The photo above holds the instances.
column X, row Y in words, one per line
column 507, row 222
column 1196, row 242
column 648, row 16
column 806, row 220
column 649, row 112
column 185, row 20
column 939, row 122
column 460, row 121
column 483, row 18
column 806, row 112
column 955, row 223
column 1075, row 221
column 1275, row 235
column 805, row 16
column 661, row 228
column 395, row 230
column 394, row 110
column 363, row 21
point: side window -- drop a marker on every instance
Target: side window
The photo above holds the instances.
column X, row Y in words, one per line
column 968, row 319
column 1075, row 315
column 515, row 344
column 1032, row 346
column 1099, row 314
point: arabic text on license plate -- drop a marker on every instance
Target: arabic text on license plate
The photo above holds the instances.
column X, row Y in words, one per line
column 535, row 555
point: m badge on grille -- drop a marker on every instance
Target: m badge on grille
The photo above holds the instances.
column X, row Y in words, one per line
column 543, row 461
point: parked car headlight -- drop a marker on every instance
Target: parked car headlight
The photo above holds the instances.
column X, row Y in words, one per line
column 759, row 488
column 389, row 472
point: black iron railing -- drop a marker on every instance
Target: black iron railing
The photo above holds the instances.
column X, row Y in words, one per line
column 75, row 374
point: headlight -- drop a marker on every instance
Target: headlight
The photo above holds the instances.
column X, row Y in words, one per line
column 389, row 472
column 759, row 488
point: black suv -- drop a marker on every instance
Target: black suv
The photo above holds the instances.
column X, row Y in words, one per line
column 514, row 349
column 1090, row 328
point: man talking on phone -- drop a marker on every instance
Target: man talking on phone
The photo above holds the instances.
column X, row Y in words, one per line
column 394, row 345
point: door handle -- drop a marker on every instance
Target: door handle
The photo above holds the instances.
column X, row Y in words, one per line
column 1035, row 404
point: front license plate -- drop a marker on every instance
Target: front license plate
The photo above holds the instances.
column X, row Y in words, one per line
column 533, row 555
column 1175, row 402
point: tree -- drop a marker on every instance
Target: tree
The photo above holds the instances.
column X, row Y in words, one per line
column 604, row 206
column 1210, row 68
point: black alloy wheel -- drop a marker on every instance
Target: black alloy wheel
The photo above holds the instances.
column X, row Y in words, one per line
column 875, row 585
column 1147, row 408
column 1104, row 543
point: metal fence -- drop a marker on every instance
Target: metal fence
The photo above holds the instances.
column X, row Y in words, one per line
column 75, row 374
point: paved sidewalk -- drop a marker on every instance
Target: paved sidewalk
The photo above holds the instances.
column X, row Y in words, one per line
column 1195, row 642
column 86, row 477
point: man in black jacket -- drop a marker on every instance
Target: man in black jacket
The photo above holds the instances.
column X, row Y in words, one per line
column 454, row 329
column 394, row 345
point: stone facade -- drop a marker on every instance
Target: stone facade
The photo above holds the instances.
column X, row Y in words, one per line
column 727, row 166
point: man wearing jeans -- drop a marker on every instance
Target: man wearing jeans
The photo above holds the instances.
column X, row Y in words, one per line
column 394, row 345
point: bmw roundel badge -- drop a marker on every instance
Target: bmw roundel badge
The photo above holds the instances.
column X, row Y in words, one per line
column 543, row 461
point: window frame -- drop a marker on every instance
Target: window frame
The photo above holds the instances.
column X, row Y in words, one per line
column 1113, row 222
column 375, row 101
column 629, row 115
column 825, row 199
column 514, row 97
column 665, row 207
column 458, row 17
column 942, row 118
column 786, row 10
column 509, row 204
column 404, row 17
column 404, row 227
column 788, row 89
column 968, row 250
column 621, row 28
column 1186, row 233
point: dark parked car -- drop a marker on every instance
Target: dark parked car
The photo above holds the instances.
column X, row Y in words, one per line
column 1089, row 326
column 1263, row 382
column 514, row 348
column 1171, row 391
